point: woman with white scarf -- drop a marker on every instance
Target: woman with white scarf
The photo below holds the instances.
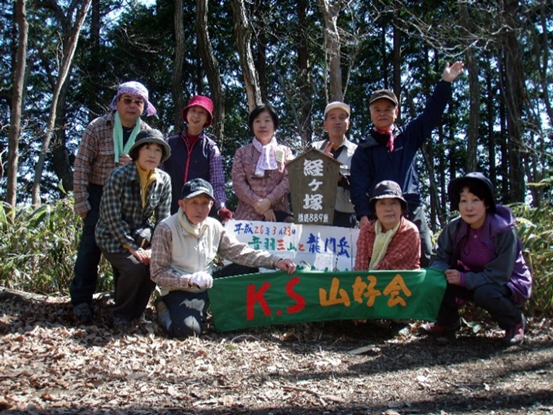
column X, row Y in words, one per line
column 390, row 242
column 259, row 174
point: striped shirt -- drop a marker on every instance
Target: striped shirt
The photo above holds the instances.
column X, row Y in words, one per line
column 121, row 210
column 95, row 158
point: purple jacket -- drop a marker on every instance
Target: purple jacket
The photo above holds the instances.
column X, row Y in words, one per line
column 507, row 267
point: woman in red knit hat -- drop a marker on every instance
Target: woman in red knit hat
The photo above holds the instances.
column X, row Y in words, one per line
column 196, row 156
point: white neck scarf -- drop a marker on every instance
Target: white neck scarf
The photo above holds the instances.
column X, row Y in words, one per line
column 192, row 229
column 267, row 160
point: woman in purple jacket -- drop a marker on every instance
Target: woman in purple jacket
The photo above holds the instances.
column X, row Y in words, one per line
column 481, row 255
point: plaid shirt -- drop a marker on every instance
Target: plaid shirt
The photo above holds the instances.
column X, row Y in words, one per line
column 403, row 253
column 95, row 158
column 250, row 189
column 121, row 210
column 228, row 247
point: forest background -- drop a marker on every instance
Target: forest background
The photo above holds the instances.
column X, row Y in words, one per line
column 62, row 62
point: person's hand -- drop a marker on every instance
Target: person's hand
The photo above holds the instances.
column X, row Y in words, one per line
column 143, row 255
column 328, row 149
column 124, row 159
column 262, row 206
column 364, row 221
column 286, row 265
column 83, row 215
column 453, row 276
column 270, row 216
column 202, row 279
column 452, row 72
column 225, row 215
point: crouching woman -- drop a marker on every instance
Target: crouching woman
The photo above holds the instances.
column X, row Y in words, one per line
column 481, row 255
column 137, row 196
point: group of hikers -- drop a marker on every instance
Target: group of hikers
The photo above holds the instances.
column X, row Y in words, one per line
column 156, row 208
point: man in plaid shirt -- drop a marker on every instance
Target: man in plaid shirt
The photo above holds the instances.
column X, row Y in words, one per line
column 104, row 146
column 184, row 248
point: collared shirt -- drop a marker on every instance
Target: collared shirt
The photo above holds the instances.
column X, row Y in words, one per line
column 121, row 210
column 215, row 240
column 344, row 154
column 95, row 158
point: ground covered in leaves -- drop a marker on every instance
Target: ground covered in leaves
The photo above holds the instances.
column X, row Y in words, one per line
column 50, row 364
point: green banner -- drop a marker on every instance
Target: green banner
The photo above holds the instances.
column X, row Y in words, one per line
column 278, row 298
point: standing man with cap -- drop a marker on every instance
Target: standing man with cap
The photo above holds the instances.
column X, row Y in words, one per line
column 137, row 196
column 184, row 248
column 195, row 155
column 389, row 153
column 336, row 124
column 104, row 146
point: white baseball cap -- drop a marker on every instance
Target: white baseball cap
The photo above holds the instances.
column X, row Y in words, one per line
column 338, row 104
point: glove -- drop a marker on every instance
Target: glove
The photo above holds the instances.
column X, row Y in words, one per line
column 202, row 279
column 224, row 214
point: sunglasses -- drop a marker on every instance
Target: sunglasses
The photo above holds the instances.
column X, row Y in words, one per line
column 129, row 101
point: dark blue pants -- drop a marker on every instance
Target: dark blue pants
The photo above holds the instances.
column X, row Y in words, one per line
column 344, row 219
column 84, row 282
column 493, row 298
column 418, row 217
column 187, row 312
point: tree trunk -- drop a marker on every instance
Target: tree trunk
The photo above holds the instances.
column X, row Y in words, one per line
column 396, row 65
column 61, row 164
column 212, row 70
column 243, row 36
column 474, row 92
column 304, row 79
column 66, row 62
column 491, row 99
column 332, row 47
column 17, row 103
column 515, row 92
column 176, row 80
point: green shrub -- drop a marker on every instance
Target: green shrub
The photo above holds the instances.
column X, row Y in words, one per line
column 38, row 250
column 535, row 229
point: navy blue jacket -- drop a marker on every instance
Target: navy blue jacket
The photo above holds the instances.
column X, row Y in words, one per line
column 184, row 165
column 372, row 162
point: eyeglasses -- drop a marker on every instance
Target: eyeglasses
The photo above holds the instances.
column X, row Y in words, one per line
column 129, row 101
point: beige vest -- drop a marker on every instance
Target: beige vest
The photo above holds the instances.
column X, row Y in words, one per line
column 199, row 252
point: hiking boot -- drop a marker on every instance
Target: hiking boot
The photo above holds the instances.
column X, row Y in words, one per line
column 83, row 313
column 441, row 330
column 514, row 336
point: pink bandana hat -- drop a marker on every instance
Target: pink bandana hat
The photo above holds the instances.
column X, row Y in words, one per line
column 134, row 88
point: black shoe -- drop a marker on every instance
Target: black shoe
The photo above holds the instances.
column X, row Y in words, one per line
column 83, row 312
column 121, row 324
column 514, row 336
